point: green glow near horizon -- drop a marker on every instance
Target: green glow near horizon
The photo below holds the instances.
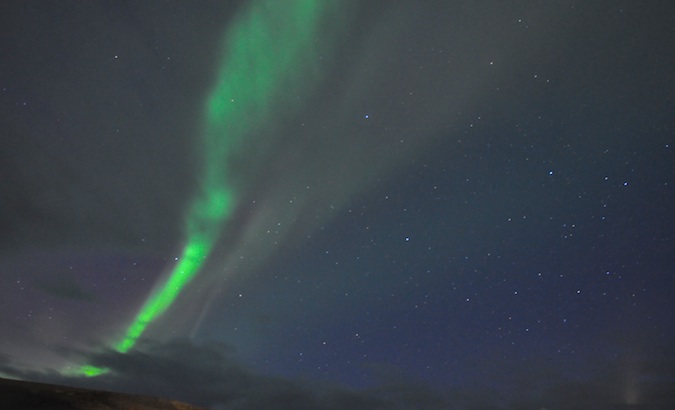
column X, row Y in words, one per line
column 269, row 46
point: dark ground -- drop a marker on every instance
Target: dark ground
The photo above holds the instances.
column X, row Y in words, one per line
column 28, row 395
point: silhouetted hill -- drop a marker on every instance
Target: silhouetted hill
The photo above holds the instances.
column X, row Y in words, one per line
column 29, row 395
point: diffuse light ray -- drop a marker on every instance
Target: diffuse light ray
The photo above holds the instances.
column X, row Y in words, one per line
column 268, row 47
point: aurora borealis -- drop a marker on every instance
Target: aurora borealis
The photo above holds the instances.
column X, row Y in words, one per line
column 339, row 204
column 262, row 52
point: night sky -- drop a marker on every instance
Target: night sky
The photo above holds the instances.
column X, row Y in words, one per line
column 340, row 204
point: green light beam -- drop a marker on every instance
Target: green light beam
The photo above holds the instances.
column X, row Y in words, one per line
column 270, row 45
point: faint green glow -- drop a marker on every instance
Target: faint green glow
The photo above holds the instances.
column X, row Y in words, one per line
column 269, row 47
column 91, row 371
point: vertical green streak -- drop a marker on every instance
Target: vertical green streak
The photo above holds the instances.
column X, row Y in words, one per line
column 270, row 46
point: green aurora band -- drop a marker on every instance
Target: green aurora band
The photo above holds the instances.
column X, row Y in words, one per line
column 269, row 46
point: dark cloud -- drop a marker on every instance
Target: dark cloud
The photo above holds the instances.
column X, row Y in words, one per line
column 64, row 286
column 209, row 375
